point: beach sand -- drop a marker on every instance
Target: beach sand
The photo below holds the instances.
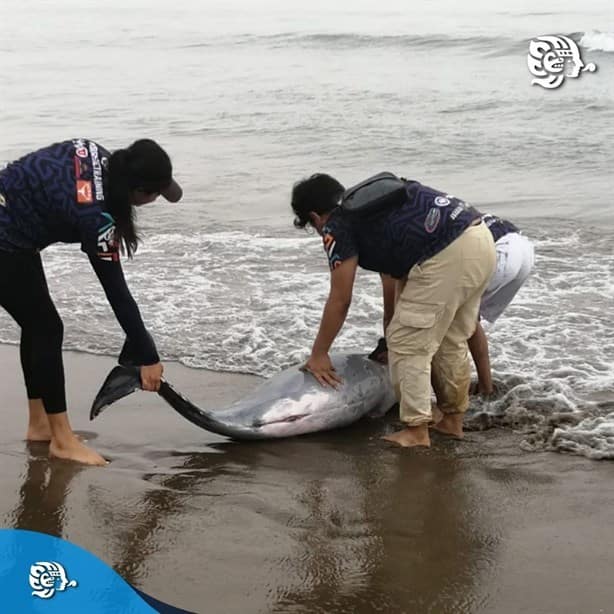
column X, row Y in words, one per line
column 335, row 522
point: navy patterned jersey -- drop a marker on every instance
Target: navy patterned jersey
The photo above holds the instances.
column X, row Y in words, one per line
column 394, row 240
column 56, row 194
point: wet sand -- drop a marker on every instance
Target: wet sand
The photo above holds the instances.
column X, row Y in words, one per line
column 335, row 522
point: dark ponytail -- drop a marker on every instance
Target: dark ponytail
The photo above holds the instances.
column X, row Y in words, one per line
column 118, row 201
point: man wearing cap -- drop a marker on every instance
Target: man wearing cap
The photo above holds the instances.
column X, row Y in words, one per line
column 74, row 192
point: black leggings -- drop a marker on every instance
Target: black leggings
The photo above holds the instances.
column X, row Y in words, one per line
column 25, row 295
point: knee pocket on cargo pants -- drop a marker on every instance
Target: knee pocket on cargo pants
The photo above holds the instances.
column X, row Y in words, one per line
column 414, row 328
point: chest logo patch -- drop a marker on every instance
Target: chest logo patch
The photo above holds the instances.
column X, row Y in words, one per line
column 84, row 192
column 432, row 220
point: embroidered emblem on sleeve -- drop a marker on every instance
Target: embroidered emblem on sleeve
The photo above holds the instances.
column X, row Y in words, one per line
column 108, row 245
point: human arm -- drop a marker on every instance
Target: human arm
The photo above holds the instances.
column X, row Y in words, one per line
column 111, row 277
column 388, row 292
column 100, row 242
column 335, row 311
column 478, row 346
column 380, row 353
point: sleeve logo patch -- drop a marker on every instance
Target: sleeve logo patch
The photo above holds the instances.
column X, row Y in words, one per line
column 329, row 244
column 108, row 245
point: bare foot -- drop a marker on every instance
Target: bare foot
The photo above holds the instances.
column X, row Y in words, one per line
column 38, row 432
column 38, row 423
column 76, row 451
column 43, row 433
column 410, row 437
column 450, row 424
column 436, row 414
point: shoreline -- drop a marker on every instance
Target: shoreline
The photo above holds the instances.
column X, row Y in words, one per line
column 70, row 352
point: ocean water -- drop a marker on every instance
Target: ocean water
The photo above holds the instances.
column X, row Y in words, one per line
column 248, row 98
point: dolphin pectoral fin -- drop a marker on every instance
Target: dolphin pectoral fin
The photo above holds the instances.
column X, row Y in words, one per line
column 283, row 420
column 120, row 382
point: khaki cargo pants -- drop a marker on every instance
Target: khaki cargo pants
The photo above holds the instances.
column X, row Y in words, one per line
column 436, row 312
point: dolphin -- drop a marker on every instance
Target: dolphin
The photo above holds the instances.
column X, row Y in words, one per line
column 288, row 404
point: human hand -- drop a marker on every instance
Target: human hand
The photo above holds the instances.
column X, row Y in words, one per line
column 476, row 388
column 321, row 367
column 380, row 353
column 150, row 376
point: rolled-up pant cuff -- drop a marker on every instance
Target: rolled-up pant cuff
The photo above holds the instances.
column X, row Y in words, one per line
column 416, row 422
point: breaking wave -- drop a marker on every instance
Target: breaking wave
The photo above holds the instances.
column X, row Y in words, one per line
column 598, row 41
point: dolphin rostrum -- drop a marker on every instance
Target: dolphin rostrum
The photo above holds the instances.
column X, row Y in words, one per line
column 290, row 403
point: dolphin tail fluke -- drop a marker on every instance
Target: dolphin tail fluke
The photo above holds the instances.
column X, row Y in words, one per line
column 124, row 380
column 120, row 382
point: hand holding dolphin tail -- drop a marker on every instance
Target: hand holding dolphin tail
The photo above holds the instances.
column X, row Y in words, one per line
column 124, row 380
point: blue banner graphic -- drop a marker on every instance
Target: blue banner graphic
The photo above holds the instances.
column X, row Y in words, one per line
column 44, row 574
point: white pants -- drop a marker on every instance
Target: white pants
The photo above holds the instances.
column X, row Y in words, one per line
column 515, row 260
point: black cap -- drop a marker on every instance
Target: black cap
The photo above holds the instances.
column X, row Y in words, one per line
column 150, row 169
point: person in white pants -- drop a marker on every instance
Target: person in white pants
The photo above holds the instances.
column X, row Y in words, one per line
column 515, row 261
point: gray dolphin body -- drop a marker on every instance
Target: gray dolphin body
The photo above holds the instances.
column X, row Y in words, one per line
column 290, row 403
